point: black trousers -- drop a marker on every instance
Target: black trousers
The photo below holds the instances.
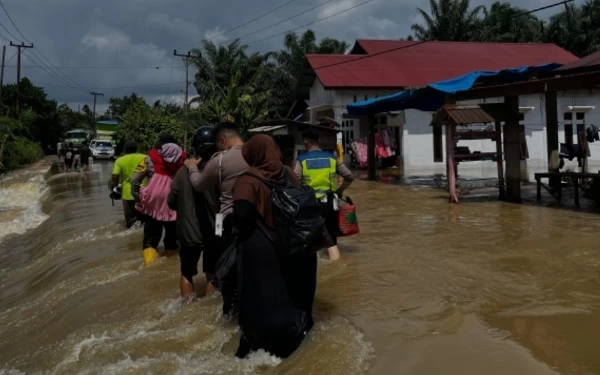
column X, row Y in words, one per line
column 131, row 214
column 331, row 218
column 189, row 256
column 153, row 230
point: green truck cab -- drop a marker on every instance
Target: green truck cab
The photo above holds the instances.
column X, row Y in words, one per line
column 77, row 137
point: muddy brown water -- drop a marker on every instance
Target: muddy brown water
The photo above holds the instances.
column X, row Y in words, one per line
column 426, row 288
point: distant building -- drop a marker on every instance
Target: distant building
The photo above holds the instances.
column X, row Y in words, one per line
column 106, row 129
column 375, row 68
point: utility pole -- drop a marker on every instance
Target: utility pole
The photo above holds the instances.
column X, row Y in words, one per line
column 95, row 95
column 19, row 48
column 186, row 62
column 2, row 75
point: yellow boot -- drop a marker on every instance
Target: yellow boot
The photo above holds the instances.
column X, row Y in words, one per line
column 150, row 255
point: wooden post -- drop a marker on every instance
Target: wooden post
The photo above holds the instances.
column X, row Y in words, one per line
column 450, row 163
column 2, row 75
column 372, row 171
column 500, row 161
column 551, row 109
column 512, row 149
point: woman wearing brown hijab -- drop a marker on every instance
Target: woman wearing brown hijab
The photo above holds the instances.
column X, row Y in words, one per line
column 275, row 294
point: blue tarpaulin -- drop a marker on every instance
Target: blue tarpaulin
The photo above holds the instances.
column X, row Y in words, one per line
column 431, row 97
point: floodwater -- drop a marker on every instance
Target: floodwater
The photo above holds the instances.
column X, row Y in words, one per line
column 426, row 288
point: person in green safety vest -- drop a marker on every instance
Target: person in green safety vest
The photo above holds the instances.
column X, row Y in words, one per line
column 319, row 170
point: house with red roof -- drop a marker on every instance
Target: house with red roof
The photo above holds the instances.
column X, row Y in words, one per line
column 374, row 68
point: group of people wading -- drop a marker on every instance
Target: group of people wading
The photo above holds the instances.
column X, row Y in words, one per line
column 229, row 202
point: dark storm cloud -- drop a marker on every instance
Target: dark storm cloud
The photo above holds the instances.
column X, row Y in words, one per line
column 143, row 33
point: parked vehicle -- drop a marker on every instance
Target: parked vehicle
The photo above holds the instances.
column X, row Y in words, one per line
column 77, row 137
column 102, row 149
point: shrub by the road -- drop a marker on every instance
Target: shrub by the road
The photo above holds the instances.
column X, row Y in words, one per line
column 19, row 152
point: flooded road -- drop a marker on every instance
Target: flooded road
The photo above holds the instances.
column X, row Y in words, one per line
column 426, row 288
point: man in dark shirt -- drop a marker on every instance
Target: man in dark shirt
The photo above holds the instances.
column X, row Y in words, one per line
column 196, row 213
column 86, row 153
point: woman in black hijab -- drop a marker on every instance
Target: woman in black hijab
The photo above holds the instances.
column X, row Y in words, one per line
column 275, row 294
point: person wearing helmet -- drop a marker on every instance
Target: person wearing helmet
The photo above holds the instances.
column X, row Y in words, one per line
column 196, row 213
column 222, row 171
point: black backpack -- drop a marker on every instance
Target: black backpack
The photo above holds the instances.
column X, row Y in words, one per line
column 300, row 228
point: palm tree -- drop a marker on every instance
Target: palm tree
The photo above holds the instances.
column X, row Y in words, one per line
column 218, row 63
column 503, row 23
column 449, row 20
column 291, row 60
column 590, row 12
column 567, row 30
column 240, row 104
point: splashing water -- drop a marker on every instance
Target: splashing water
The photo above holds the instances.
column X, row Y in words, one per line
column 21, row 205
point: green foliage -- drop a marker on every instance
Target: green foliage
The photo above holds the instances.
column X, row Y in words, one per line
column 576, row 28
column 449, row 20
column 15, row 149
column 21, row 151
column 242, row 105
column 145, row 125
column 278, row 72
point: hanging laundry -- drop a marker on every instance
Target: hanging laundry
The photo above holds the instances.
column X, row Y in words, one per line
column 382, row 144
column 592, row 134
column 360, row 150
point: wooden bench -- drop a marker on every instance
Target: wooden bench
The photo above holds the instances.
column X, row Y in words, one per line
column 575, row 176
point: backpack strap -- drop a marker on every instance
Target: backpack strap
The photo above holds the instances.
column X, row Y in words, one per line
column 269, row 184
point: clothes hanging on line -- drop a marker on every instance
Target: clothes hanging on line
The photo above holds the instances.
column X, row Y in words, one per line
column 359, row 147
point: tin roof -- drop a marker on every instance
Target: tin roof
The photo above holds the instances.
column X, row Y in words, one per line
column 584, row 62
column 461, row 115
column 416, row 64
column 266, row 129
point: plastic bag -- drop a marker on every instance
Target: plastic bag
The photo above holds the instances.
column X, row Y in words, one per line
column 347, row 219
column 226, row 262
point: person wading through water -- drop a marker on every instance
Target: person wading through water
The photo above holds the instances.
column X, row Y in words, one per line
column 69, row 156
column 276, row 292
column 86, row 153
column 121, row 174
column 223, row 171
column 159, row 167
column 319, row 170
column 196, row 214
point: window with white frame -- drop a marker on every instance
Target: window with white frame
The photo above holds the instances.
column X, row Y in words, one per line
column 347, row 131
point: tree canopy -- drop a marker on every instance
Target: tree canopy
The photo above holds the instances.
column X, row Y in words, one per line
column 576, row 28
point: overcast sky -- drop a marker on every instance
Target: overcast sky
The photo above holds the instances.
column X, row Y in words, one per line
column 127, row 38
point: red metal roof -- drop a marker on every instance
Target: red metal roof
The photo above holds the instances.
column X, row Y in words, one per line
column 426, row 63
column 584, row 62
column 371, row 46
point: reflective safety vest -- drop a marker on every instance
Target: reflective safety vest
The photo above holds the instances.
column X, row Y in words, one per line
column 319, row 171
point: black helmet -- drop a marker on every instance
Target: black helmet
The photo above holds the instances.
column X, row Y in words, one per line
column 204, row 142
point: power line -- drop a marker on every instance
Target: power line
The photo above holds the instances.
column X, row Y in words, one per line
column 241, row 25
column 313, row 22
column 58, row 72
column 103, row 67
column 125, row 87
column 34, row 59
column 285, row 20
column 428, row 41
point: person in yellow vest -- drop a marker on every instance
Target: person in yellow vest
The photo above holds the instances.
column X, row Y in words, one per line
column 319, row 170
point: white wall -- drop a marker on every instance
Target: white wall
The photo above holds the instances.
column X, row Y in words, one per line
column 417, row 140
